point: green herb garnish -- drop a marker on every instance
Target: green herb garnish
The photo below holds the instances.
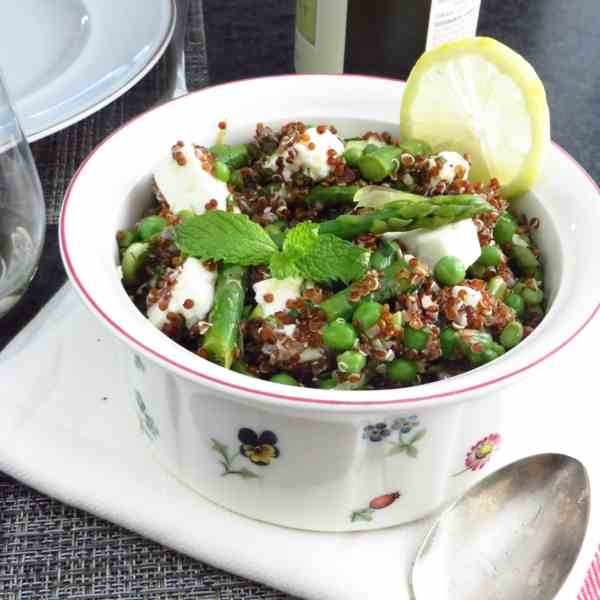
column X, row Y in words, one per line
column 230, row 237
column 235, row 239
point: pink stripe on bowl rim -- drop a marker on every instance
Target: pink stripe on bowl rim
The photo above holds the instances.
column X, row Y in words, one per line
column 296, row 399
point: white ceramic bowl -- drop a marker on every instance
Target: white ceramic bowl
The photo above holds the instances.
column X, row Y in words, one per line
column 345, row 460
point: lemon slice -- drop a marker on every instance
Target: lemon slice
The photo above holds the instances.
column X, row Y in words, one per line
column 478, row 96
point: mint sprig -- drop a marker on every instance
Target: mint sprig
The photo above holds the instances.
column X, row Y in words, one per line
column 230, row 237
column 235, row 239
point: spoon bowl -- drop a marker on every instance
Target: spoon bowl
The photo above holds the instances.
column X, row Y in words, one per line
column 516, row 534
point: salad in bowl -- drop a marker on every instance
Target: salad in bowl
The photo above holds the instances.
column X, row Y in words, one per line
column 308, row 259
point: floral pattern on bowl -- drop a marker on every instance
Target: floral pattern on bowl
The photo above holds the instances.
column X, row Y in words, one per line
column 147, row 423
column 139, row 365
column 260, row 450
column 378, row 503
column 405, row 444
column 480, row 453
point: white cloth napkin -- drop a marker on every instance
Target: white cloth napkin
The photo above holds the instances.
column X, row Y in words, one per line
column 68, row 429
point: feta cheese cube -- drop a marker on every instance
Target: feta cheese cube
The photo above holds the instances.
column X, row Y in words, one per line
column 188, row 186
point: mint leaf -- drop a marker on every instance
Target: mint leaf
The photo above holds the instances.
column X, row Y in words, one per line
column 231, row 237
column 282, row 266
column 300, row 239
column 331, row 258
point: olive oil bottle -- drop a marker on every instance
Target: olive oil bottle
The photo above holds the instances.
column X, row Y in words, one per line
column 380, row 37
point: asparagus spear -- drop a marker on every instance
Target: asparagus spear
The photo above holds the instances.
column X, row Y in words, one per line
column 405, row 215
column 416, row 147
column 390, row 285
column 222, row 338
column 233, row 155
column 382, row 163
column 333, row 195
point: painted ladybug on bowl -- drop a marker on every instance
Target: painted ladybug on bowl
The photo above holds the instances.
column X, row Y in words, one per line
column 384, row 501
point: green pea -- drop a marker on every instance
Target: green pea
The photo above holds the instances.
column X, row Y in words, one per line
column 133, row 261
column 516, row 303
column 525, row 259
column 497, row 287
column 505, row 229
column 339, row 335
column 538, row 275
column 416, row 339
column 351, row 361
column 150, row 226
column 448, row 341
column 402, row 371
column 329, row 383
column 489, row 355
column 491, row 256
column 532, row 295
column 511, row 335
column 284, row 379
column 518, row 287
column 240, row 366
column 486, row 355
column 352, row 155
column 221, row 171
column 449, row 270
column 126, row 237
column 185, row 214
column 477, row 271
column 535, row 310
column 367, row 314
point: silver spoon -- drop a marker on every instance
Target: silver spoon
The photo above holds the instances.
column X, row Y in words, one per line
column 513, row 536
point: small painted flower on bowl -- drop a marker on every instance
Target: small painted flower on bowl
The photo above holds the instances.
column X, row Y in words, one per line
column 405, row 424
column 481, row 452
column 260, row 449
column 377, row 432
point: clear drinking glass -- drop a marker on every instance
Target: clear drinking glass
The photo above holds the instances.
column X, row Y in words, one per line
column 22, row 209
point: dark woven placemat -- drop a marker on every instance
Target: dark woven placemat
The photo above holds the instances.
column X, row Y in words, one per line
column 51, row 551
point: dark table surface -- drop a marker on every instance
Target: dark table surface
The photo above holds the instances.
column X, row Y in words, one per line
column 249, row 38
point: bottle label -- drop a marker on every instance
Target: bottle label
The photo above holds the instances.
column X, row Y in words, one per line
column 306, row 19
column 451, row 20
column 320, row 36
